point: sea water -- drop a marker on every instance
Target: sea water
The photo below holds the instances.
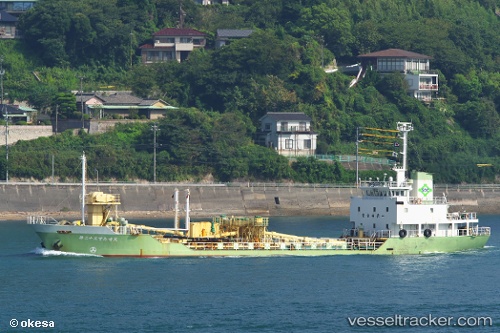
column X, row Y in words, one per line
column 361, row 293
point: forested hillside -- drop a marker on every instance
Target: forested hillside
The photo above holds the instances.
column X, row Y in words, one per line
column 278, row 68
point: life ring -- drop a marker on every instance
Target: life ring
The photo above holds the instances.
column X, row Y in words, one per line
column 403, row 233
column 427, row 233
column 419, row 201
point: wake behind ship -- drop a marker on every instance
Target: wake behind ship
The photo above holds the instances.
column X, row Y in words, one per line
column 391, row 217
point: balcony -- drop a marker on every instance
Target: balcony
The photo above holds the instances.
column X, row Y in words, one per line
column 294, row 129
column 428, row 86
column 163, row 44
column 184, row 47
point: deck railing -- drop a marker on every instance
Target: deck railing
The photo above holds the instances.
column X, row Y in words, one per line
column 37, row 219
column 285, row 246
column 459, row 216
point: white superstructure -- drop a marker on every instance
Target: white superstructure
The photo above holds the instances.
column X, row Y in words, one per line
column 407, row 207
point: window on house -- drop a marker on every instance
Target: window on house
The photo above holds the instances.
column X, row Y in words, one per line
column 152, row 55
column 166, row 40
column 20, row 6
column 185, row 40
column 267, row 126
column 288, row 144
column 390, row 64
column 307, row 144
column 424, row 65
column 284, row 126
column 167, row 55
column 302, row 126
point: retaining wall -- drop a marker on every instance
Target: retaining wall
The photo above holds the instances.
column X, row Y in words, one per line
column 24, row 132
column 214, row 200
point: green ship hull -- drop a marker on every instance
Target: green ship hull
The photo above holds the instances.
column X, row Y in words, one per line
column 144, row 245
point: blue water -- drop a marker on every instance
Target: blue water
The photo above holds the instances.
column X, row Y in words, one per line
column 299, row 294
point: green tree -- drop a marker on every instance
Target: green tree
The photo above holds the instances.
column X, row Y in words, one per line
column 67, row 105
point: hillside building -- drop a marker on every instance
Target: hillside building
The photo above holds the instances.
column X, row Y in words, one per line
column 289, row 133
column 422, row 81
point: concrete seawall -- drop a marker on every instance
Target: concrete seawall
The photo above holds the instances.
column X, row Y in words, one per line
column 208, row 200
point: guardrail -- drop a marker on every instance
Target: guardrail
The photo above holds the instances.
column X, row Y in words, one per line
column 441, row 187
column 352, row 158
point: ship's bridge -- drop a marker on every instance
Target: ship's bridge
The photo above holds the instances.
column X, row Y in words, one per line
column 385, row 188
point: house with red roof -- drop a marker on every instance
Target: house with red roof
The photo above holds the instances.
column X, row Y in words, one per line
column 172, row 44
column 422, row 81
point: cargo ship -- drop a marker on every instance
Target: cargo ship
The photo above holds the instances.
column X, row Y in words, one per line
column 390, row 217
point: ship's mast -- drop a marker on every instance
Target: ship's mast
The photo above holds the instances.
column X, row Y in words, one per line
column 188, row 218
column 403, row 129
column 84, row 165
column 176, row 202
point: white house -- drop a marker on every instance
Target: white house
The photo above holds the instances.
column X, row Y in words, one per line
column 422, row 81
column 289, row 133
column 172, row 44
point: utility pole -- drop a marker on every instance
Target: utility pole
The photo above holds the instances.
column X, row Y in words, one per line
column 53, row 179
column 6, row 115
column 57, row 108
column 357, row 157
column 81, row 100
column 155, row 129
column 131, row 49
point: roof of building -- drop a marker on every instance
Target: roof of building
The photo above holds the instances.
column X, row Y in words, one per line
column 394, row 53
column 178, row 32
column 6, row 17
column 233, row 33
column 132, row 106
column 15, row 109
column 119, row 99
column 277, row 116
column 151, row 102
column 124, row 99
column 84, row 97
